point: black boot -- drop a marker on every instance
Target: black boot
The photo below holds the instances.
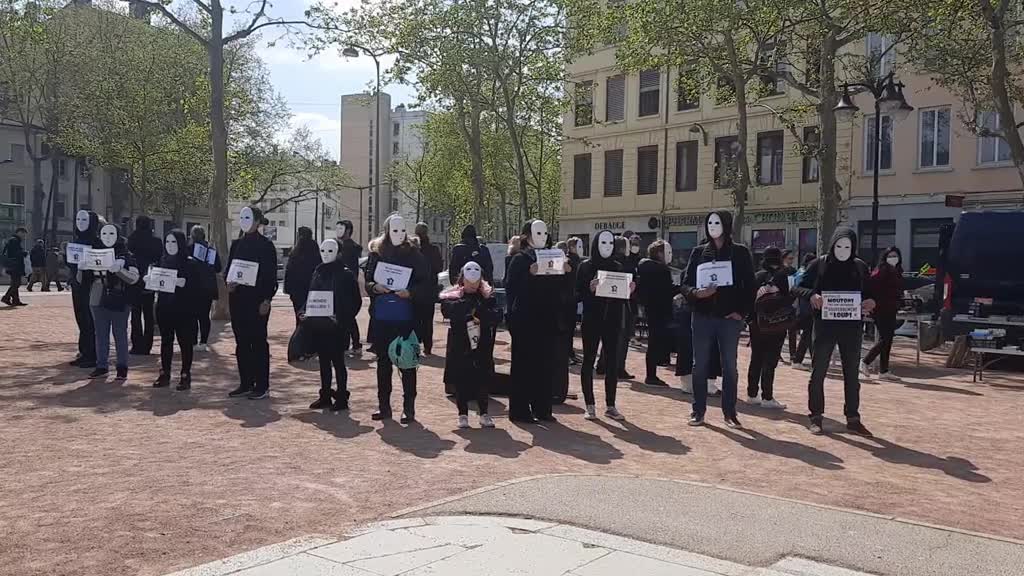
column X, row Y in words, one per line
column 184, row 382
column 340, row 400
column 324, row 401
column 163, row 380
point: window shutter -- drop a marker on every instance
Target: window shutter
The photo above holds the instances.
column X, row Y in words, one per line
column 615, row 105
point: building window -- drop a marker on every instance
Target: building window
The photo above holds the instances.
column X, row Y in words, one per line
column 869, row 143
column 934, row 138
column 58, row 206
column 18, row 154
column 581, row 176
column 584, row 110
column 772, row 58
column 682, row 244
column 394, row 204
column 615, row 96
column 646, row 170
column 686, row 166
column 17, row 195
column 991, row 149
column 613, row 173
column 769, row 158
column 811, row 167
column 881, row 54
column 886, row 238
column 650, row 92
column 924, row 242
column 396, row 129
column 726, row 152
column 807, row 243
column 394, row 147
column 62, row 169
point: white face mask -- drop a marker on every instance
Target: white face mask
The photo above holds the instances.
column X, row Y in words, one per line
column 579, row 246
column 843, row 249
column 538, row 234
column 668, row 254
column 715, row 228
column 82, row 220
column 328, row 251
column 396, row 230
column 605, row 244
column 245, row 219
column 171, row 245
column 108, row 235
column 471, row 272
column 893, row 261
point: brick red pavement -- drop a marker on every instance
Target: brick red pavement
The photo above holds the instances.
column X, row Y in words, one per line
column 107, row 478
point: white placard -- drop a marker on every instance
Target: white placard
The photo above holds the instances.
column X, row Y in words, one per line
column 211, row 256
column 320, row 303
column 243, row 272
column 161, row 279
column 473, row 330
column 613, row 284
column 392, row 277
column 100, row 259
column 550, row 262
column 75, row 253
column 199, row 252
column 717, row 273
column 840, row 306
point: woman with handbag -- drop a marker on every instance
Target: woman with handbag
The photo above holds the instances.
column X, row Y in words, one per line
column 774, row 316
column 396, row 281
column 176, row 311
column 108, row 299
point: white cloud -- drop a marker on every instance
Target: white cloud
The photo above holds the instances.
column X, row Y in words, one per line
column 324, row 128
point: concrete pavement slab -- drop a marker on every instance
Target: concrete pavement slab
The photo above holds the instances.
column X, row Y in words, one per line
column 406, row 561
column 303, row 565
column 619, row 563
column 533, row 554
column 375, row 544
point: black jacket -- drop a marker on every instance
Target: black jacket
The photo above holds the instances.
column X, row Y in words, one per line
column 256, row 247
column 87, row 238
column 408, row 256
column 461, row 360
column 182, row 306
column 654, row 290
column 335, row 277
column 470, row 250
column 738, row 298
column 828, row 274
column 349, row 254
column 600, row 315
column 14, row 256
column 38, row 256
column 432, row 256
column 778, row 278
column 535, row 302
column 146, row 248
column 298, row 273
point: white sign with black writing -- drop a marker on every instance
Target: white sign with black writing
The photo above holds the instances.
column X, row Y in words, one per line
column 161, row 279
column 717, row 273
column 840, row 305
column 199, row 252
column 243, row 272
column 613, row 284
column 100, row 259
column 75, row 253
column 320, row 303
column 211, row 256
column 473, row 330
column 391, row 276
column 550, row 262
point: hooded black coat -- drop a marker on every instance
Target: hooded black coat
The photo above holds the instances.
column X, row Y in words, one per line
column 298, row 273
column 181, row 307
column 828, row 274
column 147, row 249
column 470, row 250
column 461, row 360
column 738, row 298
column 600, row 315
column 336, row 278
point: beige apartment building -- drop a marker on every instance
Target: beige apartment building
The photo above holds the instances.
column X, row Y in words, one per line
column 633, row 150
column 358, row 149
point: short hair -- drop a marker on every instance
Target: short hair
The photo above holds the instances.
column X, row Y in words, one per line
column 198, row 233
column 21, row 229
column 562, row 245
column 656, row 249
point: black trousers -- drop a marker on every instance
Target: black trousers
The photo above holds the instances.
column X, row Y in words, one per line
column 252, row 351
column 625, row 335
column 332, row 357
column 12, row 290
column 885, row 329
column 472, row 384
column 533, row 371
column 203, row 320
column 142, row 323
column 765, row 350
column 806, row 327
column 83, row 317
column 425, row 326
column 353, row 329
column 384, row 371
column 847, row 336
column 610, row 341
column 658, row 344
column 185, row 332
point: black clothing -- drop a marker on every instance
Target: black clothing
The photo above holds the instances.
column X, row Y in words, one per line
column 208, row 281
column 469, row 370
column 470, row 250
column 14, row 256
column 142, row 322
column 425, row 308
column 146, row 248
column 331, row 335
column 349, row 254
column 186, row 335
column 738, row 298
column 885, row 330
column 203, row 318
column 80, row 288
column 37, row 256
column 257, row 248
column 603, row 323
column 12, row 297
column 766, row 349
column 252, row 351
column 177, row 311
column 298, row 273
column 655, row 292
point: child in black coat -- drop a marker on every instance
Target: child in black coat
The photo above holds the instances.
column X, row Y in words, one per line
column 176, row 311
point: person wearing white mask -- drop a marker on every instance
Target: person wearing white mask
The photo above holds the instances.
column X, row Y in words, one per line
column 87, row 229
column 176, row 311
column 250, row 304
column 535, row 314
column 330, row 333
column 110, row 303
column 886, row 284
column 655, row 295
column 839, row 271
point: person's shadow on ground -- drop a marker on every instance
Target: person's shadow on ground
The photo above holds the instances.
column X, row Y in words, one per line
column 894, row 453
column 414, row 439
column 760, row 442
column 339, row 424
column 556, row 437
column 644, row 439
column 252, row 413
column 494, row 441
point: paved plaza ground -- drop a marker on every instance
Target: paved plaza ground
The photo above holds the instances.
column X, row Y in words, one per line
column 103, row 477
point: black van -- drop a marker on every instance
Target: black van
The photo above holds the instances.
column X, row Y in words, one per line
column 982, row 256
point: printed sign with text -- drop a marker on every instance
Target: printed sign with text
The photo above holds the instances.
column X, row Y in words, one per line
column 161, row 279
column 391, row 276
column 613, row 284
column 717, row 273
column 840, row 306
column 243, row 272
column 320, row 303
column 550, row 262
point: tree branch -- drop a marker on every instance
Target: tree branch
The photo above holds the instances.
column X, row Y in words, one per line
column 174, row 19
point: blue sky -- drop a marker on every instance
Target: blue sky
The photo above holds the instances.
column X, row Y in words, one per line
column 313, row 87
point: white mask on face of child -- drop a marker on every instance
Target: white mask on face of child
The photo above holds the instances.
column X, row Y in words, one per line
column 605, row 244
column 171, row 245
column 108, row 235
column 538, row 234
column 245, row 219
column 471, row 272
column 396, row 230
column 82, row 221
column 328, row 251
column 715, row 227
column 668, row 254
column 893, row 261
column 843, row 249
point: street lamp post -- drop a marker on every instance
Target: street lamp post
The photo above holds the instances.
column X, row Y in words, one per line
column 353, row 52
column 889, row 100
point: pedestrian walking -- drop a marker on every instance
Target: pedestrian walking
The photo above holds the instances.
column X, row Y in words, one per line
column 886, row 286
column 37, row 257
column 110, row 302
column 298, row 273
column 773, row 316
column 14, row 263
column 208, row 267
column 53, row 264
column 147, row 250
column 176, row 311
column 655, row 292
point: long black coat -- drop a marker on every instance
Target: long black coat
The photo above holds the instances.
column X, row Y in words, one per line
column 461, row 361
column 335, row 277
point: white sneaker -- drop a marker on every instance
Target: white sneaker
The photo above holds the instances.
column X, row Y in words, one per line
column 888, row 377
column 613, row 413
column 686, row 383
column 773, row 404
column 463, row 421
column 591, row 412
column 485, row 421
column 753, row 400
column 201, row 348
column 865, row 369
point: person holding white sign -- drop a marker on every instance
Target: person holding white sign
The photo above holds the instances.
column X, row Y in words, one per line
column 249, row 304
column 87, row 228
column 603, row 321
column 469, row 362
column 176, row 310
column 207, row 270
column 109, row 300
column 837, row 287
column 655, row 295
column 718, row 312
column 402, row 280
column 328, row 311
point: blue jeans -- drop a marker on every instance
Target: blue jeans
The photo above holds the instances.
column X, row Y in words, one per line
column 707, row 331
column 105, row 321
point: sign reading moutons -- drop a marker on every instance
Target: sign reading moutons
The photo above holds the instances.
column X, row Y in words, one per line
column 840, row 305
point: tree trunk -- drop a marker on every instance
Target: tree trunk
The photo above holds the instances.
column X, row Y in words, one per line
column 219, row 144
column 1000, row 95
column 471, row 134
column 517, row 149
column 74, row 189
column 49, row 201
column 828, row 187
column 742, row 184
column 37, row 194
column 54, row 192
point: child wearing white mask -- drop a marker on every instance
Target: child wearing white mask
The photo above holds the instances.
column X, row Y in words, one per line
column 840, row 273
column 109, row 300
column 176, row 312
